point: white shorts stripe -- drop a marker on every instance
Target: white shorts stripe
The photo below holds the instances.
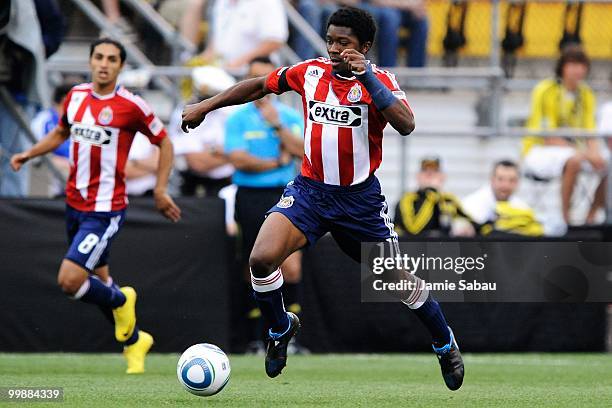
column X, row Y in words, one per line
column 387, row 220
column 111, row 230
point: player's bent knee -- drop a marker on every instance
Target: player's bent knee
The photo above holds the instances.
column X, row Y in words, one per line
column 262, row 263
column 69, row 284
column 71, row 278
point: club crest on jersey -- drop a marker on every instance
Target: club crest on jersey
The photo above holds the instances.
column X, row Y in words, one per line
column 339, row 115
column 355, row 94
column 105, row 116
column 285, row 202
column 90, row 134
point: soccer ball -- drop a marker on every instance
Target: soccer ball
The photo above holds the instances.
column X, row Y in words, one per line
column 203, row 369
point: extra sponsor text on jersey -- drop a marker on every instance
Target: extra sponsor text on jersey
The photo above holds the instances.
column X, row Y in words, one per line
column 346, row 116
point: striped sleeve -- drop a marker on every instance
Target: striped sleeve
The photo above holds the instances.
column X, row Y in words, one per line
column 388, row 79
column 285, row 79
column 149, row 124
column 64, row 119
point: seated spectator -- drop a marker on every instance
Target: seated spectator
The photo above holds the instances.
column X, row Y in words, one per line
column 204, row 167
column 430, row 212
column 390, row 16
column 311, row 11
column 605, row 121
column 561, row 103
column 186, row 16
column 497, row 208
column 243, row 30
column 141, row 167
column 112, row 11
column 42, row 124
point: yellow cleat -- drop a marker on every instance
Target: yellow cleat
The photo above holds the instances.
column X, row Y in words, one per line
column 125, row 315
column 136, row 353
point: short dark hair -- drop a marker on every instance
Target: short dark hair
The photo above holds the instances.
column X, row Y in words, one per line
column 61, row 91
column 505, row 163
column 106, row 40
column 360, row 21
column 572, row 52
column 264, row 59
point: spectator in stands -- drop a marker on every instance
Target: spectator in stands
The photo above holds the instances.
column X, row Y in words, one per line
column 186, row 16
column 605, row 120
column 42, row 124
column 566, row 102
column 263, row 139
column 243, row 30
column 52, row 24
column 311, row 11
column 430, row 212
column 205, row 169
column 112, row 10
column 497, row 208
column 22, row 54
column 390, row 16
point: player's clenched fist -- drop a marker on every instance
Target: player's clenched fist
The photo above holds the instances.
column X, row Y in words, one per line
column 192, row 117
column 19, row 160
column 356, row 61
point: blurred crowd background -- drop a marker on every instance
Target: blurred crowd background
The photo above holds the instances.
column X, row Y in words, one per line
column 472, row 70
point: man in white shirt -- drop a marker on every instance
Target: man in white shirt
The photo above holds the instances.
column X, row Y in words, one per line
column 496, row 204
column 245, row 29
column 141, row 167
column 199, row 154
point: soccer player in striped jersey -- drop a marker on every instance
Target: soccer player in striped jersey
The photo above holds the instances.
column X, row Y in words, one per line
column 347, row 103
column 101, row 120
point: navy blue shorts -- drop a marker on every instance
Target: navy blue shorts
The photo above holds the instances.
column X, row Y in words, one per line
column 353, row 214
column 90, row 235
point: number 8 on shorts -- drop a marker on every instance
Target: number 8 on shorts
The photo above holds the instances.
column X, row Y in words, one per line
column 88, row 243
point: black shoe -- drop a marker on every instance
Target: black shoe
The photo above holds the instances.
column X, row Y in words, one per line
column 451, row 363
column 276, row 350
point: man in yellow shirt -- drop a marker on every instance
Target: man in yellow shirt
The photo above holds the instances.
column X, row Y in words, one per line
column 562, row 103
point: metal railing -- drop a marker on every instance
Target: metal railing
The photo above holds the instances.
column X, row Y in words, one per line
column 172, row 37
column 134, row 55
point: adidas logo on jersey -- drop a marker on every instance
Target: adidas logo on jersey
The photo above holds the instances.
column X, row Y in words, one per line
column 314, row 72
column 347, row 116
column 90, row 134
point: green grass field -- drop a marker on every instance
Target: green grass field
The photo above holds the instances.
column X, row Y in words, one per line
column 393, row 380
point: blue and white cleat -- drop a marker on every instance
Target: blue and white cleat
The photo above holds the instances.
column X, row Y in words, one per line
column 276, row 349
column 451, row 363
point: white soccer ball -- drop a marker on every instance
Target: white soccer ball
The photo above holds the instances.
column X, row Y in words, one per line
column 203, row 369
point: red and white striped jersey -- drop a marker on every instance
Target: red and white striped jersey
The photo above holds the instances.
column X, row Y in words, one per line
column 102, row 128
column 343, row 129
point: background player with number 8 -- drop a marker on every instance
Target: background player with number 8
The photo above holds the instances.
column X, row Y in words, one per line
column 102, row 119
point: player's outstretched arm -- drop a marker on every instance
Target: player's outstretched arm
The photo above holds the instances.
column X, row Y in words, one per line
column 394, row 111
column 243, row 92
column 164, row 203
column 47, row 144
